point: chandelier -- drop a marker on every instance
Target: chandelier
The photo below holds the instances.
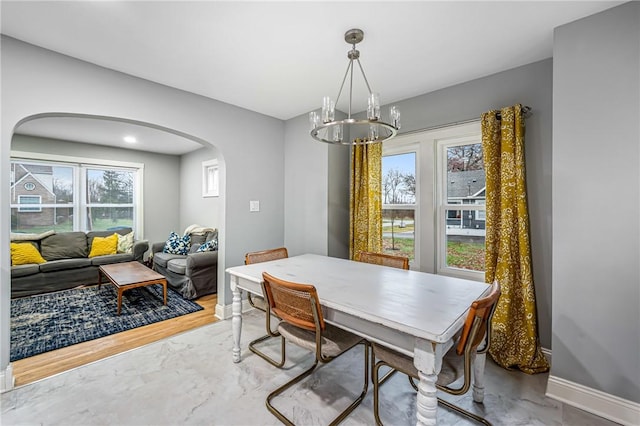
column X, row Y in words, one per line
column 350, row 131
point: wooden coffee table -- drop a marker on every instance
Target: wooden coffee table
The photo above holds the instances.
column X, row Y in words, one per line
column 128, row 275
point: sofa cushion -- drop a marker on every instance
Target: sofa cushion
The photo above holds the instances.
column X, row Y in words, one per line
column 25, row 253
column 177, row 245
column 161, row 259
column 199, row 239
column 179, row 266
column 62, row 264
column 66, row 245
column 112, row 258
column 101, row 246
column 24, row 270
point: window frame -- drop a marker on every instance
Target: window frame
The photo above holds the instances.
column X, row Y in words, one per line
column 79, row 166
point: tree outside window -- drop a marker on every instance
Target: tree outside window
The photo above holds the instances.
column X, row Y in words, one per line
column 398, row 204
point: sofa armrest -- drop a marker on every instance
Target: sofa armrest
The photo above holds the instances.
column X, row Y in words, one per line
column 139, row 249
column 202, row 260
column 157, row 247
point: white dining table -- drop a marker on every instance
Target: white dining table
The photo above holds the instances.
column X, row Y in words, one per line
column 415, row 313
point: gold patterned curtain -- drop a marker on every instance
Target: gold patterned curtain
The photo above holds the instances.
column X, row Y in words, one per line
column 365, row 230
column 514, row 339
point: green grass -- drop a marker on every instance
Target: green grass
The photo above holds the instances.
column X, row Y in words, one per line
column 403, row 246
column 397, row 228
column 98, row 225
column 463, row 255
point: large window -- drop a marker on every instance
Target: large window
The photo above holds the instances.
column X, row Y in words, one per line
column 67, row 196
column 434, row 200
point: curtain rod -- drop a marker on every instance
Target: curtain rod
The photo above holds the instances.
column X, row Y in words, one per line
column 525, row 110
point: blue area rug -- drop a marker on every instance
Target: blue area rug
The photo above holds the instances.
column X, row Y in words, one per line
column 46, row 322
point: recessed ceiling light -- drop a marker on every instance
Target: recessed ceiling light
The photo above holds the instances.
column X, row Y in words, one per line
column 130, row 139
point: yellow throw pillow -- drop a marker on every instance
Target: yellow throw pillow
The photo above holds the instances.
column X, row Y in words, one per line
column 25, row 253
column 102, row 246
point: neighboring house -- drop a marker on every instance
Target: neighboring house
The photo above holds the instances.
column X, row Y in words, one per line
column 466, row 187
column 31, row 187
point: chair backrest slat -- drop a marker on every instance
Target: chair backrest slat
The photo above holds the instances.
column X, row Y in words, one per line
column 265, row 255
column 400, row 262
column 293, row 302
column 480, row 309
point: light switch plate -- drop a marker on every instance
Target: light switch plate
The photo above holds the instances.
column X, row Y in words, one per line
column 254, row 206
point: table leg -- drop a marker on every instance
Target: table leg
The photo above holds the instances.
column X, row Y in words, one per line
column 119, row 299
column 478, row 377
column 164, row 291
column 236, row 319
column 428, row 360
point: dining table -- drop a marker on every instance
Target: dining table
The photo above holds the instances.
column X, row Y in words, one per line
column 415, row 313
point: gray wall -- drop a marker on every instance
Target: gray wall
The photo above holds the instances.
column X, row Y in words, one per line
column 316, row 176
column 38, row 81
column 596, row 198
column 194, row 208
column 161, row 178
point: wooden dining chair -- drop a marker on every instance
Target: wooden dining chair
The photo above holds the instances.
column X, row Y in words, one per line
column 260, row 303
column 394, row 261
column 302, row 324
column 456, row 363
column 401, row 262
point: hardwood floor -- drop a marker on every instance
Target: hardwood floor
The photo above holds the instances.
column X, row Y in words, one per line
column 29, row 370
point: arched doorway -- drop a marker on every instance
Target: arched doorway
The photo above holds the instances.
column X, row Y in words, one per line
column 172, row 166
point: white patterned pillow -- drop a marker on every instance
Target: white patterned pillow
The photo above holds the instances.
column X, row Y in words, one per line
column 211, row 245
column 125, row 243
column 177, row 245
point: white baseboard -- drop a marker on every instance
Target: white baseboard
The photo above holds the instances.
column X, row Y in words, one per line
column 594, row 401
column 225, row 311
column 6, row 379
column 547, row 354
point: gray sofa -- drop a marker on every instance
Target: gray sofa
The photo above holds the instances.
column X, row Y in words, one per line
column 68, row 264
column 192, row 275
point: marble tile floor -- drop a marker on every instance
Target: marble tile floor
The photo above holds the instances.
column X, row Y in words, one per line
column 190, row 379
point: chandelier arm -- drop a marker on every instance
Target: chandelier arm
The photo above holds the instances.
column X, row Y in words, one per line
column 351, row 88
column 364, row 76
column 349, row 65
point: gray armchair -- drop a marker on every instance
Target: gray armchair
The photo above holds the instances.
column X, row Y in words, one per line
column 192, row 275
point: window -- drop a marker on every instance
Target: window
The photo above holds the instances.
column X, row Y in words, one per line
column 210, row 178
column 29, row 199
column 447, row 203
column 399, row 204
column 74, row 196
column 109, row 201
column 461, row 206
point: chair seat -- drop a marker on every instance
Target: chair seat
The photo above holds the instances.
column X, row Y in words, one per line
column 179, row 266
column 452, row 364
column 162, row 259
column 334, row 340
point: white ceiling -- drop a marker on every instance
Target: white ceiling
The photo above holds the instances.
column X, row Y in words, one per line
column 281, row 58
